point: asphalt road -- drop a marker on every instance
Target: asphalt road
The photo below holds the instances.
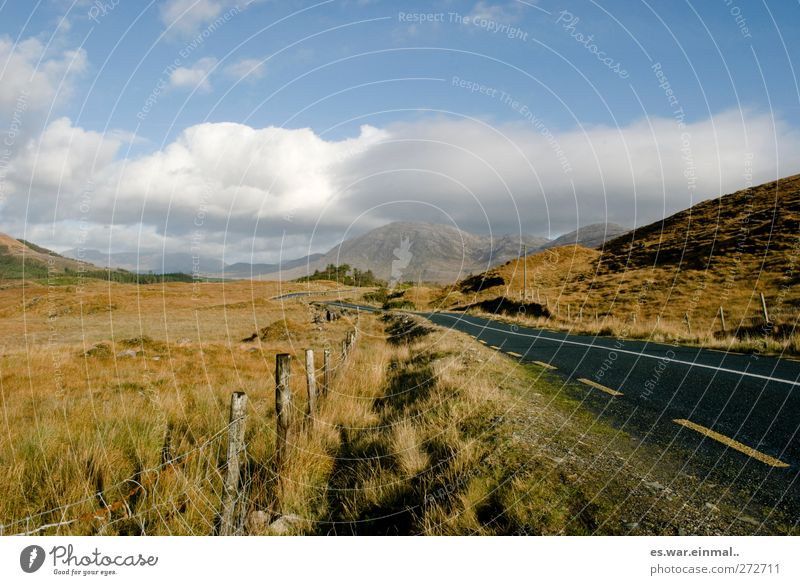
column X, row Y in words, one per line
column 732, row 415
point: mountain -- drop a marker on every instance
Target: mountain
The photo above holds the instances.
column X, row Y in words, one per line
column 722, row 252
column 145, row 261
column 414, row 251
column 19, row 258
column 244, row 270
column 186, row 263
column 433, row 253
column 589, row 236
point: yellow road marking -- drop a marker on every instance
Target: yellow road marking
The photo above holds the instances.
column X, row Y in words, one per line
column 732, row 443
column 494, row 347
column 605, row 389
column 544, row 365
column 514, row 353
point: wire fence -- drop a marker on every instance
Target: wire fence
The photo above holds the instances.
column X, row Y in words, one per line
column 150, row 497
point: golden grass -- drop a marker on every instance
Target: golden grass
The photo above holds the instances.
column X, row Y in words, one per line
column 430, row 434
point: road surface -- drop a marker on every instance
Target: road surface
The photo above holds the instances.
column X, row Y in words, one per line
column 732, row 414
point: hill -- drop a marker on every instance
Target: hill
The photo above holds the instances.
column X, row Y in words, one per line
column 722, row 252
column 19, row 258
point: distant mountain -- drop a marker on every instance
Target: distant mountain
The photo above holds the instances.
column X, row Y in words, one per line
column 160, row 263
column 404, row 251
column 414, row 251
column 589, row 236
column 145, row 261
column 244, row 270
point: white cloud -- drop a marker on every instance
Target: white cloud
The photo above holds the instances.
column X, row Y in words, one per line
column 196, row 76
column 246, row 189
column 32, row 81
column 504, row 13
column 246, row 69
column 187, row 17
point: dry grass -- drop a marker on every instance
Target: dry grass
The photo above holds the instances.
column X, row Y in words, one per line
column 422, row 432
column 722, row 252
column 89, row 397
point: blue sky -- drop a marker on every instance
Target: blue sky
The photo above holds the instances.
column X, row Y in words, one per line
column 406, row 71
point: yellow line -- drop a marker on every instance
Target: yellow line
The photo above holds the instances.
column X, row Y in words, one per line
column 514, row 353
column 494, row 347
column 482, row 341
column 544, row 365
column 605, row 389
column 733, row 444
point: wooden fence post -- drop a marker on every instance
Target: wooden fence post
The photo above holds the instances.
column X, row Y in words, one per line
column 326, row 371
column 311, row 382
column 764, row 308
column 230, row 488
column 688, row 323
column 283, row 407
column 722, row 319
column 344, row 348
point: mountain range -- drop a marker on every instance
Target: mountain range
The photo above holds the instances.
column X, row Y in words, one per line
column 407, row 251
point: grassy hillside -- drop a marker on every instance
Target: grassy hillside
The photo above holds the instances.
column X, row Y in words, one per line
column 723, row 252
column 22, row 259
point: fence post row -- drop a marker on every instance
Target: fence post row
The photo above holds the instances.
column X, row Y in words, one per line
column 230, row 489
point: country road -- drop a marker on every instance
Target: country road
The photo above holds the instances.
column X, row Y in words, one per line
column 735, row 415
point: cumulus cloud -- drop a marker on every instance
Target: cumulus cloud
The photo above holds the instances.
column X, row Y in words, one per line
column 262, row 193
column 187, row 17
column 250, row 69
column 196, row 76
column 495, row 12
column 32, row 80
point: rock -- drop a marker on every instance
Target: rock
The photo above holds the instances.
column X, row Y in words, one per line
column 157, row 358
column 286, row 524
column 126, row 353
column 654, row 485
column 712, row 507
column 631, row 525
column 184, row 341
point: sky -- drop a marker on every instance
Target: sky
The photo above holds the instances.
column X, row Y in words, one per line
column 259, row 130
